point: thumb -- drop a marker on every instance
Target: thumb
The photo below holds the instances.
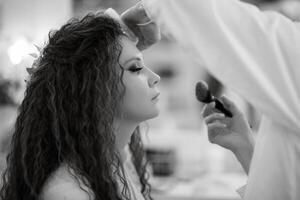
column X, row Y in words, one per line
column 135, row 15
column 113, row 14
column 229, row 105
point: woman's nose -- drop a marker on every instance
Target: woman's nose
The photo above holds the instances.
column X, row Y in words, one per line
column 154, row 79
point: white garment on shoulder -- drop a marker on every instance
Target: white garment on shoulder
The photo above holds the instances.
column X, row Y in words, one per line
column 61, row 185
column 257, row 54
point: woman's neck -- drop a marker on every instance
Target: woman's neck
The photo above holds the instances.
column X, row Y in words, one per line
column 123, row 130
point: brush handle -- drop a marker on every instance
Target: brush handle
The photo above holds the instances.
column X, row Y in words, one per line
column 219, row 105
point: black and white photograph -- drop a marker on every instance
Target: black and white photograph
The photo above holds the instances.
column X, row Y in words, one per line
column 149, row 99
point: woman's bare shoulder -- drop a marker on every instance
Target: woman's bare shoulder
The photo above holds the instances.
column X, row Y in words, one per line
column 62, row 185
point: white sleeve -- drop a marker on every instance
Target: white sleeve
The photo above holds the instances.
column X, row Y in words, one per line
column 241, row 191
column 257, row 54
column 65, row 191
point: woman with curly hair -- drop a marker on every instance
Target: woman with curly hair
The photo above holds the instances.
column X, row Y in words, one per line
column 82, row 106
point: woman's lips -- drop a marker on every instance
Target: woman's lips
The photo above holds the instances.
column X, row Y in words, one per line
column 156, row 96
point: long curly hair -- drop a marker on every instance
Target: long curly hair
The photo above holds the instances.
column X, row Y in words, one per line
column 67, row 114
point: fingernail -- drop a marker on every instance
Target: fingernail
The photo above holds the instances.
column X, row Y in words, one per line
column 223, row 125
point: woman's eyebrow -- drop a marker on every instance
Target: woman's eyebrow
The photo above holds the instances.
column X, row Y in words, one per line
column 137, row 57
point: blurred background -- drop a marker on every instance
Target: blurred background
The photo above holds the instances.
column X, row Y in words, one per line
column 183, row 163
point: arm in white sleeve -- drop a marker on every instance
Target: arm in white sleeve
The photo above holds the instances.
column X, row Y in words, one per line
column 257, row 54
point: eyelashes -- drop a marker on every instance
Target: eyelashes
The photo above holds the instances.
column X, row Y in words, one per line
column 135, row 68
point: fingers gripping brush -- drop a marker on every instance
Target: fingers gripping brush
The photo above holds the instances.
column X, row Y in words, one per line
column 203, row 95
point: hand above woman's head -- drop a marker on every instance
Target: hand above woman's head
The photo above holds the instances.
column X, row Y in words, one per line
column 142, row 26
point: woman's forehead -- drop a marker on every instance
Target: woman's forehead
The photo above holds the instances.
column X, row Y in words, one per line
column 129, row 50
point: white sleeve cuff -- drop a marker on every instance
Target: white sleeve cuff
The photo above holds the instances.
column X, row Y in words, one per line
column 241, row 191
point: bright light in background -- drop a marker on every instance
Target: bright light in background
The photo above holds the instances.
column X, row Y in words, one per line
column 18, row 50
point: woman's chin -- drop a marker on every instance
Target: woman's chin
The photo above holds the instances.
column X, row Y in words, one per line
column 155, row 113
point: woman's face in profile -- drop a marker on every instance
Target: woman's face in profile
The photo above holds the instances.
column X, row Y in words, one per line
column 141, row 94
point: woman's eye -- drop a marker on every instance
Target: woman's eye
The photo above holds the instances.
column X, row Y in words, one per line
column 135, row 68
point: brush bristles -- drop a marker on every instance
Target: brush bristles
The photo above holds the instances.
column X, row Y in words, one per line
column 202, row 91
